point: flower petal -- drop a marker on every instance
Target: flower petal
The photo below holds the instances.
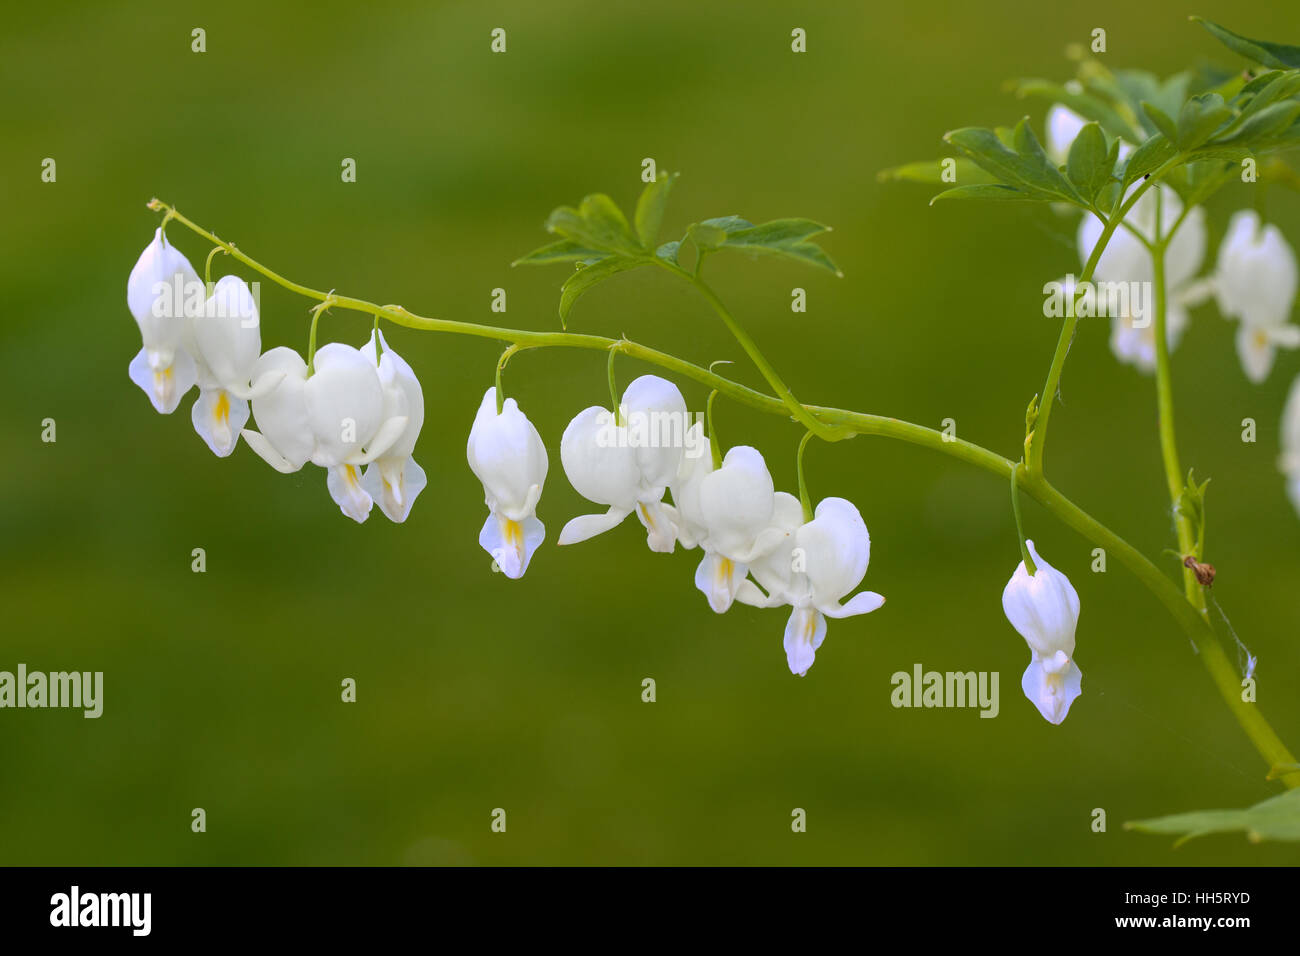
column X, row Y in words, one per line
column 395, row 486
column 1043, row 607
column 1052, row 689
column 588, row 526
column 218, row 417
column 804, row 633
column 511, row 543
column 344, row 483
column 719, row 579
column 165, row 384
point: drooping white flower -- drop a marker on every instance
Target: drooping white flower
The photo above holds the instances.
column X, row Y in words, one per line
column 1134, row 341
column 163, row 293
column 394, row 479
column 507, row 454
column 1044, row 609
column 729, row 512
column 227, row 338
column 1126, row 260
column 1255, row 282
column 1289, row 460
column 350, row 421
column 812, row 570
column 1256, row 276
column 285, row 439
column 686, row 489
column 336, row 418
column 629, row 464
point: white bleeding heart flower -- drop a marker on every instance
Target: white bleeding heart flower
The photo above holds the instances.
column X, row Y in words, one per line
column 813, row 569
column 1044, row 609
column 1134, row 340
column 394, row 479
column 1255, row 281
column 731, row 511
column 1256, row 275
column 1126, row 260
column 348, row 417
column 158, row 293
column 335, row 417
column 628, row 464
column 1289, row 460
column 686, row 490
column 507, row 454
column 227, row 339
column 285, row 438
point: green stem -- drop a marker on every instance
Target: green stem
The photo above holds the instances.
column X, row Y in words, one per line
column 613, row 386
column 715, row 443
column 1037, row 447
column 207, row 269
column 1020, row 528
column 1165, row 417
column 855, row 423
column 751, row 348
column 501, row 367
column 803, row 485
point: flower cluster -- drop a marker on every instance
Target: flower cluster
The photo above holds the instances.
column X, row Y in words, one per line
column 628, row 459
column 1254, row 279
column 351, row 408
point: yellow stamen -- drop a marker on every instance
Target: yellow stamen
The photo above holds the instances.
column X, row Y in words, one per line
column 725, row 570
column 514, row 534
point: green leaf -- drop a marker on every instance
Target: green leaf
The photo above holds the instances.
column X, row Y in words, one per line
column 1280, row 85
column 706, row 235
column 1090, row 107
column 669, row 250
column 596, row 223
column 566, row 250
column 650, row 208
column 1090, row 161
column 729, row 223
column 1267, row 124
column 1277, row 818
column 1199, row 119
column 1277, row 55
column 588, row 276
column 1147, row 158
column 998, row 192
column 1161, row 121
column 1020, row 163
column 932, row 172
column 782, row 237
column 1191, row 505
column 776, row 232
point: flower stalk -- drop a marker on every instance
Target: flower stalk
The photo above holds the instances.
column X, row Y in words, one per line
column 834, row 424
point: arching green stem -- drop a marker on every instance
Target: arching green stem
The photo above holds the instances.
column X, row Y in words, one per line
column 803, row 484
column 845, row 422
column 1020, row 528
column 715, row 444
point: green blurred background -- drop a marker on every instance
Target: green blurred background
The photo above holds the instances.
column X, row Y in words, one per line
column 476, row 692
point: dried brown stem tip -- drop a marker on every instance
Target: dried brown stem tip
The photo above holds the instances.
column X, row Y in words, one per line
column 1204, row 572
